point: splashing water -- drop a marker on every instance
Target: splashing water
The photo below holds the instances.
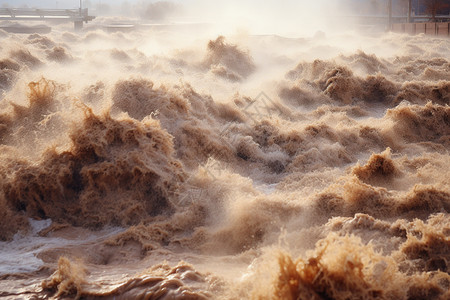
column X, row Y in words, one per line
column 143, row 165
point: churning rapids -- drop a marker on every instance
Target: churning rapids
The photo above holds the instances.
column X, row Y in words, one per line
column 149, row 165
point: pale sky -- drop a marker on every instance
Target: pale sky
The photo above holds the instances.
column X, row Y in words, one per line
column 60, row 3
column 270, row 12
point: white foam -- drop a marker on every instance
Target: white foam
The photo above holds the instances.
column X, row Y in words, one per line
column 20, row 254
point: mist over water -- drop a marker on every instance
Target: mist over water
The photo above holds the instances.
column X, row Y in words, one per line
column 240, row 156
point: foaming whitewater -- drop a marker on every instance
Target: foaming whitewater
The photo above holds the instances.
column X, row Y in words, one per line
column 145, row 165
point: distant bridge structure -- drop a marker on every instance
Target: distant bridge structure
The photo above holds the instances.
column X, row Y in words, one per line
column 77, row 16
column 384, row 19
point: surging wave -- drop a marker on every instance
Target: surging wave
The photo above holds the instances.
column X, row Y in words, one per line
column 332, row 183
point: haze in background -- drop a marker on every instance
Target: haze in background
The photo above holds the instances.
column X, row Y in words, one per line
column 224, row 150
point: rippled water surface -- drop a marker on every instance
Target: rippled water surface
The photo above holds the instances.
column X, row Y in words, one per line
column 156, row 163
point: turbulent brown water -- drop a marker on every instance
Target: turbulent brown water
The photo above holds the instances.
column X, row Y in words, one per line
column 149, row 165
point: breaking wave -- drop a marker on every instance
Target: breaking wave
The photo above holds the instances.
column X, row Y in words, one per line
column 330, row 184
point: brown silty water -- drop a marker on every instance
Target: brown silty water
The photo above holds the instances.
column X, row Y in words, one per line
column 147, row 166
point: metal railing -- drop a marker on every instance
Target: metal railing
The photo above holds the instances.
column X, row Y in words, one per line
column 78, row 16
